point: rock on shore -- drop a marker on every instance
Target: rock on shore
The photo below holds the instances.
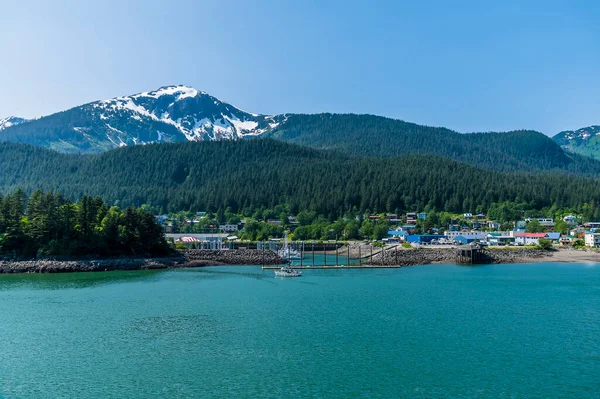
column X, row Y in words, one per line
column 191, row 258
column 424, row 256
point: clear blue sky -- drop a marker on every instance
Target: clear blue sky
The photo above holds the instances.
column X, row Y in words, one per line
column 466, row 65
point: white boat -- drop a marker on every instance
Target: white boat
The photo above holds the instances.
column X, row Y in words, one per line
column 287, row 252
column 287, row 271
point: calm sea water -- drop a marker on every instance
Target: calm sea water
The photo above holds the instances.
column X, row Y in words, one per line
column 440, row 331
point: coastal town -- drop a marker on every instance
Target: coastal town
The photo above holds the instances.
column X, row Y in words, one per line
column 416, row 229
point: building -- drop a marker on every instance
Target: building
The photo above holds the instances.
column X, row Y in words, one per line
column 468, row 215
column 529, row 238
column 399, row 234
column 468, row 240
column 411, row 218
column 452, row 234
column 570, row 219
column 554, row 237
column 500, row 239
column 422, row 215
column 592, row 225
column 493, row 225
column 546, row 222
column 592, row 239
column 423, row 238
column 228, row 228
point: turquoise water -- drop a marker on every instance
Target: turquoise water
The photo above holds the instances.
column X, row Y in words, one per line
column 439, row 331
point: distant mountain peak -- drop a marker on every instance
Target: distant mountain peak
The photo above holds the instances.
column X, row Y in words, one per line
column 11, row 121
column 168, row 114
column 584, row 141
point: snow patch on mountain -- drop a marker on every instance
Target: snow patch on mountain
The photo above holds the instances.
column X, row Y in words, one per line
column 7, row 122
column 194, row 113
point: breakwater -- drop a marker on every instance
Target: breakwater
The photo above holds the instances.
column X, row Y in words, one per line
column 189, row 258
column 423, row 256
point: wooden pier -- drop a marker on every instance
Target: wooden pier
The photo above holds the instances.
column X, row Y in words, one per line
column 470, row 255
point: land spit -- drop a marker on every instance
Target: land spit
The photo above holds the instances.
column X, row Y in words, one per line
column 190, row 258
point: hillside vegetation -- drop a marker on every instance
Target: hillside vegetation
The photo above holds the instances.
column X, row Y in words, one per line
column 375, row 136
column 250, row 174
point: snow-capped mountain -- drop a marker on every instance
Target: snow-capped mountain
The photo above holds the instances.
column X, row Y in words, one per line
column 585, row 141
column 169, row 114
column 10, row 121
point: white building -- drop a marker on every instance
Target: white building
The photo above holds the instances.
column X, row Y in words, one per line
column 467, row 234
column 228, row 228
column 592, row 240
column 529, row 238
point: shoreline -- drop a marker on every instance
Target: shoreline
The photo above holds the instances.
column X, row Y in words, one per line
column 204, row 258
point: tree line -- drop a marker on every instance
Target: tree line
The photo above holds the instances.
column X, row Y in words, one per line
column 48, row 224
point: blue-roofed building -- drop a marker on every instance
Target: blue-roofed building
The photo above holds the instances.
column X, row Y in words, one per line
column 468, row 240
column 400, row 235
column 554, row 237
column 423, row 238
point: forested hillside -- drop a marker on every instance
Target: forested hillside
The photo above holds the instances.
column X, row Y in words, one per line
column 368, row 135
column 250, row 174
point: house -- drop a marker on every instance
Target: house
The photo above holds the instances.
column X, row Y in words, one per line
column 399, row 234
column 546, row 222
column 422, row 215
column 570, row 219
column 274, row 222
column 521, row 224
column 468, row 215
column 477, row 225
column 480, row 216
column 468, row 240
column 592, row 225
column 454, row 227
column 554, row 237
column 293, row 220
column 411, row 218
column 567, row 240
column 529, row 238
column 201, row 214
column 592, row 239
column 409, row 229
column 493, row 225
column 228, row 228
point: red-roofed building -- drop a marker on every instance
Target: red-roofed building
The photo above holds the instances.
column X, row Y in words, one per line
column 529, row 238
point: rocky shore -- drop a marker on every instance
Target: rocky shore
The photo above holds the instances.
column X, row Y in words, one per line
column 190, row 258
column 424, row 256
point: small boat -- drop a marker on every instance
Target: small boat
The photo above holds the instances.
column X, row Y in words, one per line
column 287, row 271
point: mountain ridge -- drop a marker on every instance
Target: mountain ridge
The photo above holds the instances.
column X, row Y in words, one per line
column 584, row 141
column 182, row 113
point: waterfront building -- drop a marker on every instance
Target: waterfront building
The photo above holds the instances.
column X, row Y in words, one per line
column 529, row 238
column 452, row 234
column 468, row 240
column 592, row 239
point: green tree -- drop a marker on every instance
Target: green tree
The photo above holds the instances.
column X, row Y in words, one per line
column 534, row 226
